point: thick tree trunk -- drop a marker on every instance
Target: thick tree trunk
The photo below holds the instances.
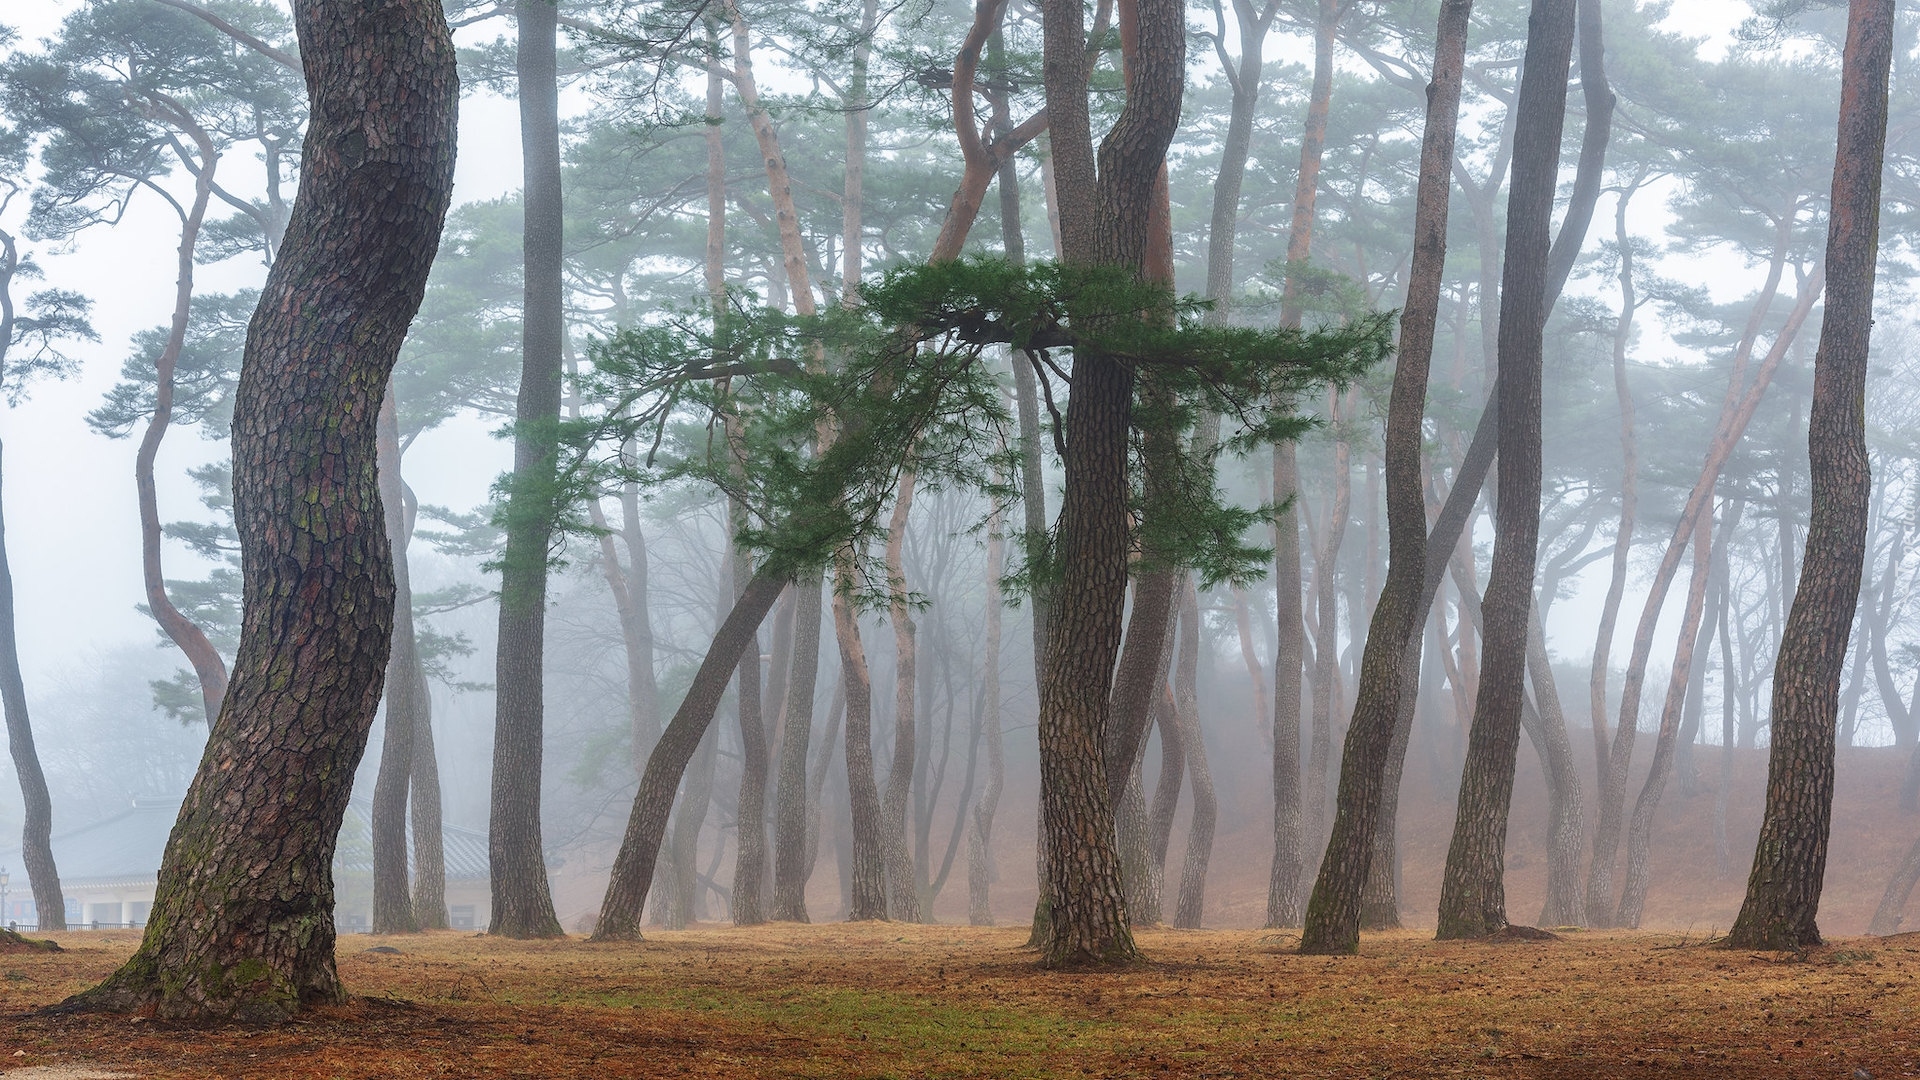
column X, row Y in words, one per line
column 1105, row 213
column 1473, row 894
column 1790, row 860
column 36, row 838
column 522, row 898
column 1187, row 913
column 1389, row 667
column 640, row 847
column 242, row 922
column 903, row 898
column 392, row 900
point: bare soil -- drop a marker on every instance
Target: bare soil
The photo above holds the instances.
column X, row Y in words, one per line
column 880, row 1000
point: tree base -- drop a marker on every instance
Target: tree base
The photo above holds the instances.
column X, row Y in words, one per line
column 13, row 942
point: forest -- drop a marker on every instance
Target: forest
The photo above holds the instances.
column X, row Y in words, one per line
column 1357, row 500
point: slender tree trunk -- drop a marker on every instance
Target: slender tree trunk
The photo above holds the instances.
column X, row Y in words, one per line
column 980, row 834
column 242, row 923
column 208, row 667
column 904, row 899
column 1565, row 904
column 1166, row 802
column 1389, row 667
column 750, row 816
column 869, row 888
column 1790, row 860
column 640, row 847
column 1285, row 902
column 36, row 839
column 1473, row 894
column 522, row 898
column 1722, row 849
column 392, row 901
column 1326, row 644
column 1193, row 872
column 1743, row 399
column 1633, row 894
column 791, row 814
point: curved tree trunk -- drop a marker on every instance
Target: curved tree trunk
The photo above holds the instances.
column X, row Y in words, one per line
column 522, row 897
column 393, row 911
column 242, row 923
column 1390, row 665
column 36, row 837
column 1790, row 859
column 208, row 667
column 1166, row 802
column 1473, row 894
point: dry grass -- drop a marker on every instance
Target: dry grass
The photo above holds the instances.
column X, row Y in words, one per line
column 895, row 1001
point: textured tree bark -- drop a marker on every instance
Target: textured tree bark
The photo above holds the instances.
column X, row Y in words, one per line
column 522, row 898
column 1473, row 894
column 429, row 842
column 392, row 900
column 1105, row 210
column 242, row 922
column 1390, row 664
column 1743, row 399
column 1789, row 862
column 1188, row 912
column 208, row 667
column 36, row 836
column 640, row 847
column 1633, row 893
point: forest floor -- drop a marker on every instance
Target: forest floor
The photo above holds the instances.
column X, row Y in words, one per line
column 879, row 1000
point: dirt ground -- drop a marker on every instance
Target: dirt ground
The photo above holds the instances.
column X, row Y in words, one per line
column 877, row 1000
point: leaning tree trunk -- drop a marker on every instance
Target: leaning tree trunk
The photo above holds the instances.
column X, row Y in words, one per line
column 36, row 840
column 1888, row 916
column 640, row 847
column 1790, row 860
column 1473, row 893
column 242, row 923
column 1389, row 666
column 392, row 901
column 522, row 898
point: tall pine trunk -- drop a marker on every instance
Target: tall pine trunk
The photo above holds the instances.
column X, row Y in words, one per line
column 242, row 922
column 1790, row 859
column 36, row 834
column 1389, row 666
column 393, row 911
column 522, row 898
column 1473, row 893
